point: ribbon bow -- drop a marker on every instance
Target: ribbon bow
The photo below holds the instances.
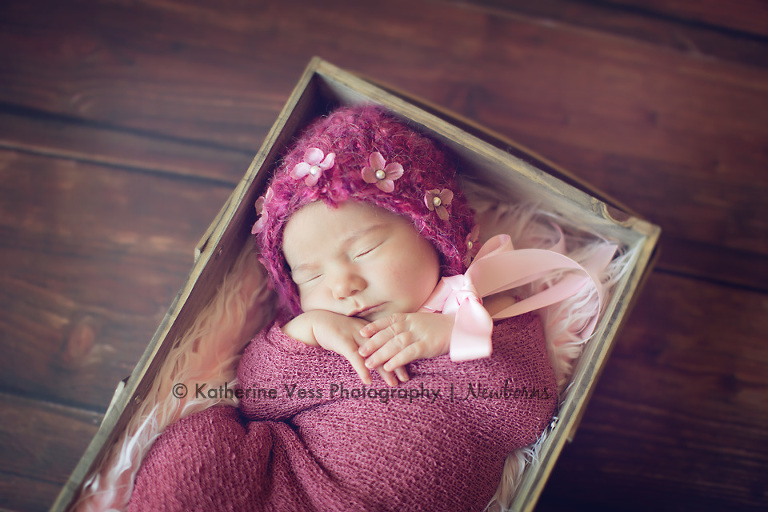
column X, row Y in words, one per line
column 499, row 267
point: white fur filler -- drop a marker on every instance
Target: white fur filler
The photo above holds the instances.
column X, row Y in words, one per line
column 210, row 350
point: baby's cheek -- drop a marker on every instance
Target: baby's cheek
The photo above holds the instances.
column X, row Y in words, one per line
column 310, row 300
column 416, row 282
column 385, row 268
column 401, row 276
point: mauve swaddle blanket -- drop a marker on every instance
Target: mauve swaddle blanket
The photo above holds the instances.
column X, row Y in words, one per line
column 327, row 442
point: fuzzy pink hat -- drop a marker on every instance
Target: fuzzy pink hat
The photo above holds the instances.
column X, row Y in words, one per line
column 364, row 154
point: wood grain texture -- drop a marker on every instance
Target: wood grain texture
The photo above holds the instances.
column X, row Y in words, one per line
column 124, row 126
column 31, row 132
column 746, row 16
column 684, row 395
column 703, row 30
column 41, row 442
column 92, row 256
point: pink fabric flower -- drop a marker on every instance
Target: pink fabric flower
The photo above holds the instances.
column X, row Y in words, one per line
column 436, row 200
column 380, row 173
column 472, row 246
column 315, row 162
column 261, row 202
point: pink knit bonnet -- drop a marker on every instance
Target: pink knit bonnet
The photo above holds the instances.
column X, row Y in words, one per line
column 362, row 153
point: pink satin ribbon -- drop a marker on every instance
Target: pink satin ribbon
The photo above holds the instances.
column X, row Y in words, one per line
column 497, row 267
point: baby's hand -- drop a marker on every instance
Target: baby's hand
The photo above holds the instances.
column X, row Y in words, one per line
column 398, row 339
column 337, row 333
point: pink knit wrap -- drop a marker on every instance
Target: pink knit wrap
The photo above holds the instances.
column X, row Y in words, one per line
column 334, row 444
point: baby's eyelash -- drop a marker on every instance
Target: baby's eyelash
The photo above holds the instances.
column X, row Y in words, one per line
column 309, row 280
column 367, row 251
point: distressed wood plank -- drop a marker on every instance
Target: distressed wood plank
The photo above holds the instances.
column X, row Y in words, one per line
column 175, row 69
column 41, row 443
column 690, row 27
column 26, row 494
column 746, row 16
column 714, row 223
column 680, row 409
column 58, row 137
column 92, row 258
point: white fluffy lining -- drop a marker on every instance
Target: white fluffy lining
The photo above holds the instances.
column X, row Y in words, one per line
column 209, row 352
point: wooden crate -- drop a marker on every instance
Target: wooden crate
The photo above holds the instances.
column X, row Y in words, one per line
column 515, row 172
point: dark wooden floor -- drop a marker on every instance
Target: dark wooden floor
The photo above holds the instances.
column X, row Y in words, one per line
column 124, row 126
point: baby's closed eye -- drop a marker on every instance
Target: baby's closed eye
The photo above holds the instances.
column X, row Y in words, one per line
column 302, row 278
column 313, row 278
column 368, row 250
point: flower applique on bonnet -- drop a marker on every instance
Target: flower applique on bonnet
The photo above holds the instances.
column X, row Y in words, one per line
column 365, row 154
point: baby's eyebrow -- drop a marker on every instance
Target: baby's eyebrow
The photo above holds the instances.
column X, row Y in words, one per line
column 356, row 235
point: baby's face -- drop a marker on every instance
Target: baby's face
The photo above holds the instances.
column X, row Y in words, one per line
column 359, row 260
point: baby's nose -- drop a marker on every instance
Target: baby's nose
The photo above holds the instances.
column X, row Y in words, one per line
column 347, row 283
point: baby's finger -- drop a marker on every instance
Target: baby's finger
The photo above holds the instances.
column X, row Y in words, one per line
column 375, row 343
column 389, row 377
column 402, row 374
column 388, row 350
column 394, row 322
column 368, row 331
column 384, row 331
column 359, row 365
column 373, row 327
column 405, row 356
